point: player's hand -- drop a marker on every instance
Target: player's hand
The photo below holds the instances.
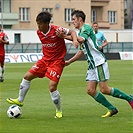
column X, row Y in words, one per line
column 60, row 32
column 100, row 47
column 75, row 43
column 67, row 63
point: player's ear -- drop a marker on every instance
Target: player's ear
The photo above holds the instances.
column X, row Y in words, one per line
column 80, row 19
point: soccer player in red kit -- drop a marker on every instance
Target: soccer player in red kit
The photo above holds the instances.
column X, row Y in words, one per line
column 52, row 63
column 3, row 40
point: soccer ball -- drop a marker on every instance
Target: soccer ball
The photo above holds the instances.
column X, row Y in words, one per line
column 14, row 111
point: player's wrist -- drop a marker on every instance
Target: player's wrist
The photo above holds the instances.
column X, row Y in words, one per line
column 69, row 62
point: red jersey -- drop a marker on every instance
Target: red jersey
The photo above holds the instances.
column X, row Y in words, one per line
column 4, row 37
column 53, row 47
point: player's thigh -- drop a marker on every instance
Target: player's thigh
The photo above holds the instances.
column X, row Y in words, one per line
column 55, row 70
column 29, row 76
column 1, row 60
column 91, row 75
column 91, row 87
column 91, row 84
column 102, row 72
column 53, row 85
column 39, row 69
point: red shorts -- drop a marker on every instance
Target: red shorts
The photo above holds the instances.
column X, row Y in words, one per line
column 50, row 69
column 2, row 58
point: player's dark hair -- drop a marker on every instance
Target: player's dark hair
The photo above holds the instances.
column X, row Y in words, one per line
column 44, row 16
column 95, row 23
column 79, row 13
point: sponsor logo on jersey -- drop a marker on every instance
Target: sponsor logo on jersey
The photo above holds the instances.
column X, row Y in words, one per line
column 53, row 36
column 49, row 45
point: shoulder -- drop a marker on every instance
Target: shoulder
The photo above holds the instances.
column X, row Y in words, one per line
column 86, row 28
column 38, row 31
column 54, row 27
column 100, row 32
column 3, row 34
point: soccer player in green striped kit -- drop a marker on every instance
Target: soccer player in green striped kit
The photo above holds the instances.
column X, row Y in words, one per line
column 97, row 73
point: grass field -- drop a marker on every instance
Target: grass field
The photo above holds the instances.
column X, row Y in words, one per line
column 81, row 113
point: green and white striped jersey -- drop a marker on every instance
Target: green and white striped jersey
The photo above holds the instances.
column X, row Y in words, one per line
column 90, row 47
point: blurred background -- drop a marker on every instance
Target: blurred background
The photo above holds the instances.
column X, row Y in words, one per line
column 115, row 19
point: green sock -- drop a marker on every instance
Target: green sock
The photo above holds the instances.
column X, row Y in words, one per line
column 119, row 94
column 102, row 100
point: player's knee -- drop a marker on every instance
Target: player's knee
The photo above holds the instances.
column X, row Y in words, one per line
column 90, row 92
column 105, row 90
column 52, row 88
column 56, row 101
column 29, row 76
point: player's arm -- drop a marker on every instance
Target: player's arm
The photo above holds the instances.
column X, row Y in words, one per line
column 105, row 42
column 73, row 36
column 103, row 45
column 79, row 38
column 68, row 34
column 5, row 41
column 74, row 58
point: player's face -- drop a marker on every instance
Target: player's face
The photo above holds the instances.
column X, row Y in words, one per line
column 42, row 26
column 95, row 27
column 75, row 22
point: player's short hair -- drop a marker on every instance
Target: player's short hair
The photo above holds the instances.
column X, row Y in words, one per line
column 44, row 16
column 95, row 23
column 79, row 13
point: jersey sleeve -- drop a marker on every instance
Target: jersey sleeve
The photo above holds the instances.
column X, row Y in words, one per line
column 6, row 37
column 85, row 32
column 103, row 37
column 66, row 31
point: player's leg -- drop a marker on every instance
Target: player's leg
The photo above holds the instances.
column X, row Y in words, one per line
column 2, row 73
column 92, row 79
column 2, row 69
column 100, row 98
column 105, row 89
column 55, row 96
column 115, row 93
column 119, row 94
column 24, row 87
column 54, row 72
column 36, row 71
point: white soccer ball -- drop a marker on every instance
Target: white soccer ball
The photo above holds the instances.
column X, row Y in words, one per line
column 14, row 111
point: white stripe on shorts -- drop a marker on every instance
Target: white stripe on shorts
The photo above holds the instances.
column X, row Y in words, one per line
column 99, row 73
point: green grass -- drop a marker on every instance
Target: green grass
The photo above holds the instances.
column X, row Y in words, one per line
column 81, row 113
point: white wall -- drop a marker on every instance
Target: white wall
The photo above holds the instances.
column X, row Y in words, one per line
column 123, row 35
column 27, row 36
column 30, row 36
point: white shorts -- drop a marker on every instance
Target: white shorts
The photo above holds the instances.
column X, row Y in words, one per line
column 99, row 74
